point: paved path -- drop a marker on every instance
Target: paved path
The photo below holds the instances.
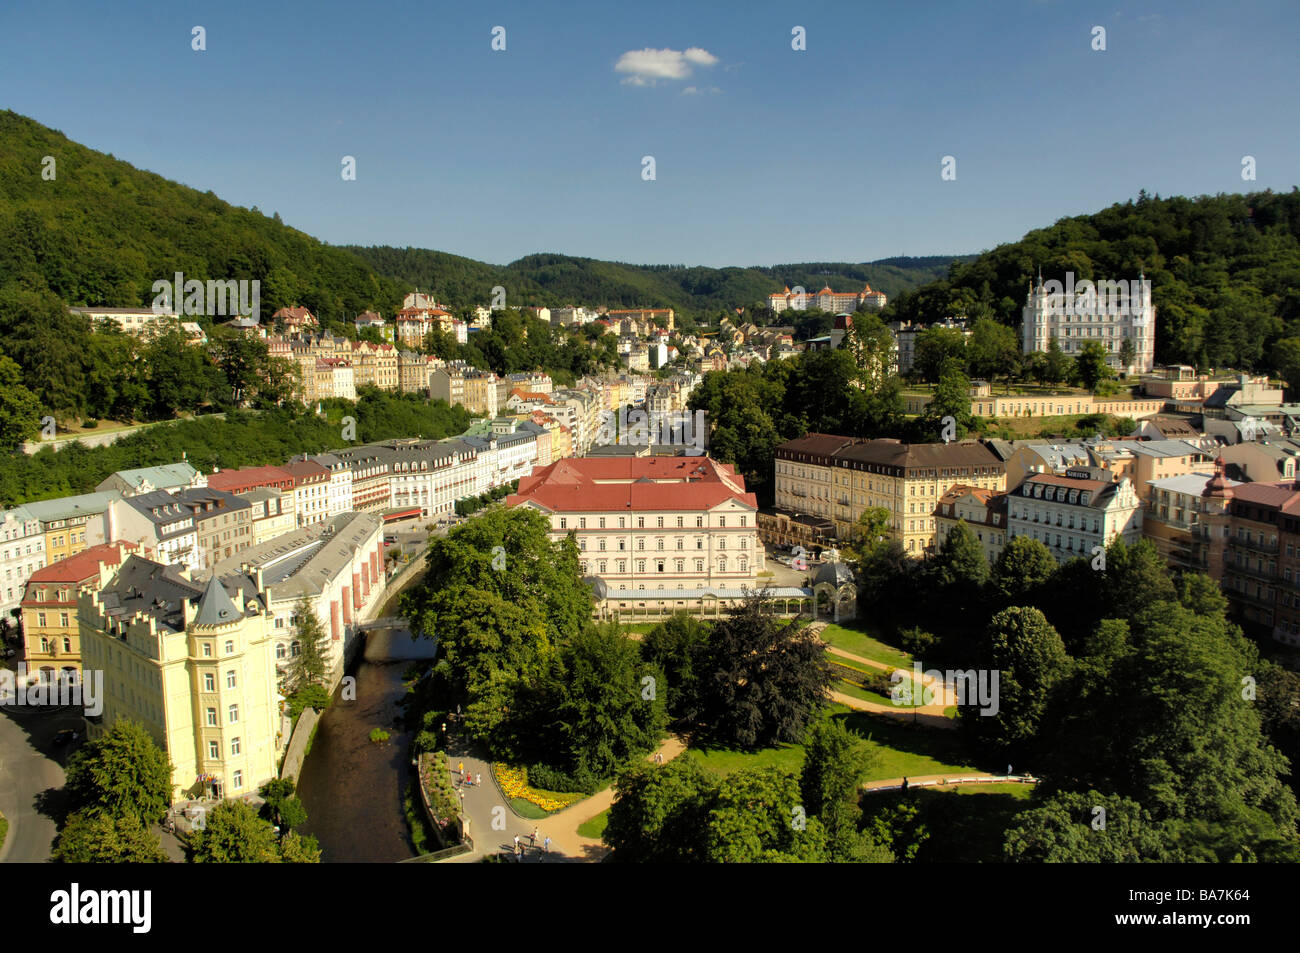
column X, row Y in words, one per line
column 562, row 826
column 941, row 780
column 484, row 803
column 27, row 770
column 931, row 715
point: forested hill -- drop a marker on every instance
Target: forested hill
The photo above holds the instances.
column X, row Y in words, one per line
column 101, row 232
column 551, row 279
column 1225, row 274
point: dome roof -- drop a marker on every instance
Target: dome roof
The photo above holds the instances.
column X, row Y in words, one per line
column 1218, row 485
column 836, row 573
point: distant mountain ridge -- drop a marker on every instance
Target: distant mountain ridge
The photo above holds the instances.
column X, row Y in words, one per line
column 100, row 232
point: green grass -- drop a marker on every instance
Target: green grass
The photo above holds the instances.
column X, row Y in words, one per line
column 906, row 750
column 861, row 694
column 422, row 838
column 903, row 749
column 966, row 824
column 595, row 827
column 527, row 809
column 861, row 641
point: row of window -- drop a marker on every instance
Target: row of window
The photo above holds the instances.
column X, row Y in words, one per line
column 640, row 522
column 659, row 543
column 660, row 564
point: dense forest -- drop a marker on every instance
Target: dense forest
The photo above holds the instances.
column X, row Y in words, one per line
column 1224, row 272
column 555, row 280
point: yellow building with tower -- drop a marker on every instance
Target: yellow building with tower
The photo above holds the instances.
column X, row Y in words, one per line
column 195, row 664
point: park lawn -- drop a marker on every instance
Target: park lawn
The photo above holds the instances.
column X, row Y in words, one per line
column 595, row 827
column 968, row 824
column 860, row 641
column 860, row 693
column 638, row 628
column 907, row 750
column 904, row 749
column 527, row 809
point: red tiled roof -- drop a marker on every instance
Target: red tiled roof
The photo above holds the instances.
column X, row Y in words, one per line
column 248, row 478
column 303, row 471
column 629, row 484
column 84, row 564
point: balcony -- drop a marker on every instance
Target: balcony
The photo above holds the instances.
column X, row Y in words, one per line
column 1257, row 545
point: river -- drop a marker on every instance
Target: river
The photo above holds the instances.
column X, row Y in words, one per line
column 353, row 788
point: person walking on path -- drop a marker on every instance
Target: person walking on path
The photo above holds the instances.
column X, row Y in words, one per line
column 478, row 779
column 546, row 845
column 904, row 784
column 533, row 837
column 460, row 768
column 516, row 843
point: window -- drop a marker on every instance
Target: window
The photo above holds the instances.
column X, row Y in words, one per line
column 622, row 565
column 661, row 522
column 233, row 714
column 211, row 717
column 207, row 650
column 40, row 618
column 602, row 522
column 699, row 521
column 234, row 746
column 209, row 682
column 679, row 565
column 230, row 647
column 640, row 522
column 294, row 649
column 214, row 750
column 563, row 523
column 679, row 521
column 63, row 619
column 722, row 521
column 582, row 522
column 230, row 679
column 640, row 565
column 67, row 645
column 699, row 565
column 237, row 781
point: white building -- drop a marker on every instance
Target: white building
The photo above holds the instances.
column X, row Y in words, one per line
column 161, row 525
column 1075, row 513
column 340, row 485
column 1107, row 313
column 22, row 552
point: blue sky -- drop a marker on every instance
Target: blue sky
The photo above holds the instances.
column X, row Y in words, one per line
column 831, row 153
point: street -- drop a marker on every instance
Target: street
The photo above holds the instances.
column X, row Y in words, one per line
column 29, row 766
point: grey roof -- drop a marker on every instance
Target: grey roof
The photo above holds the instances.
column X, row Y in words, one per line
column 162, row 477
column 1163, row 448
column 144, row 586
column 160, row 507
column 66, row 507
column 216, row 606
column 302, row 561
column 836, row 573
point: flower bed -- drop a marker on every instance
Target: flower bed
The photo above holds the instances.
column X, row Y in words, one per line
column 514, row 784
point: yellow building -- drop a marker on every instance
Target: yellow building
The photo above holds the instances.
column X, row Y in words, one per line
column 195, row 664
column 72, row 523
column 838, row 478
column 51, row 637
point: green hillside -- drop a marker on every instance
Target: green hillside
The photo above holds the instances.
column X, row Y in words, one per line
column 1224, row 270
column 101, row 232
column 551, row 279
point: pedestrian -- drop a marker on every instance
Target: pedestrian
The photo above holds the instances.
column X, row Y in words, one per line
column 904, row 784
column 546, row 844
column 478, row 779
column 533, row 839
column 516, row 843
column 460, row 769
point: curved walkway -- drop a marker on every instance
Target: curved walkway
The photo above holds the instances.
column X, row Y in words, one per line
column 484, row 803
column 562, row 826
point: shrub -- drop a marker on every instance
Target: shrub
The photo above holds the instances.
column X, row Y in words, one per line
column 309, row 696
column 378, row 735
column 916, row 641
column 546, row 778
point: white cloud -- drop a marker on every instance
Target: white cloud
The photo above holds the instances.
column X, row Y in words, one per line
column 698, row 91
column 647, row 67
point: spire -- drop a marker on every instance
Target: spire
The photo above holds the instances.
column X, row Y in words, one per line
column 215, row 605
